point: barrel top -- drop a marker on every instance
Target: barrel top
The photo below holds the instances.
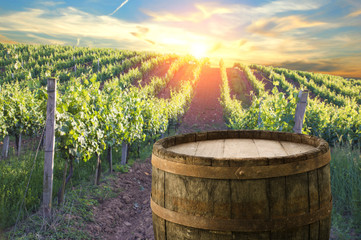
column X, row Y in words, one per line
column 240, row 148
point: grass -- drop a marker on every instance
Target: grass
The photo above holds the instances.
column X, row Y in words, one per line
column 70, row 218
column 346, row 192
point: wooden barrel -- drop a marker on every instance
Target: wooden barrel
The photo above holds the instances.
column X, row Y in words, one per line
column 241, row 185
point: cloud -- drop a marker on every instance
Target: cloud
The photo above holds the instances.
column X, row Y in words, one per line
column 216, row 47
column 136, row 34
column 43, row 40
column 255, row 48
column 289, row 5
column 66, row 22
column 242, row 42
column 143, row 30
column 150, row 41
column 71, row 23
column 342, row 66
column 4, row 39
column 210, row 9
column 141, row 33
column 274, row 26
column 355, row 14
column 313, row 66
column 204, row 11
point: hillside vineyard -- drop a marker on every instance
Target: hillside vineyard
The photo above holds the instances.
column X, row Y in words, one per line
column 101, row 101
column 110, row 99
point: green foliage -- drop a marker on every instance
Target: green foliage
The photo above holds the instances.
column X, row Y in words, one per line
column 69, row 219
column 15, row 173
column 257, row 85
column 232, row 108
column 274, row 112
column 346, row 192
column 89, row 117
column 21, row 110
column 121, row 168
column 334, row 123
column 336, row 84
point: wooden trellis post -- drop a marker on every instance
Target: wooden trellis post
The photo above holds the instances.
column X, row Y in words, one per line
column 5, row 152
column 300, row 111
column 124, row 153
column 49, row 148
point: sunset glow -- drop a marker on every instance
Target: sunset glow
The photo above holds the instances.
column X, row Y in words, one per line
column 198, row 50
column 307, row 35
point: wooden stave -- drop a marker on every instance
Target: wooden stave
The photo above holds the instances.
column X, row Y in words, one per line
column 310, row 230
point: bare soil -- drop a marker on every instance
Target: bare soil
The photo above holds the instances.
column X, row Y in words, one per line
column 205, row 112
column 128, row 216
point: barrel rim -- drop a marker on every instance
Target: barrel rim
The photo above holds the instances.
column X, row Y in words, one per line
column 160, row 147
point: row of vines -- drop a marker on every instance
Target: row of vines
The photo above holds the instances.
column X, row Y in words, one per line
column 331, row 115
column 101, row 104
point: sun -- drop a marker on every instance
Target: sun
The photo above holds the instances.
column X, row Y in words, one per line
column 198, row 50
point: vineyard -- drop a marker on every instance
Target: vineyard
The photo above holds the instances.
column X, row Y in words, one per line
column 118, row 101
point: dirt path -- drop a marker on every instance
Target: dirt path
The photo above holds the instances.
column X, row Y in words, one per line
column 128, row 216
column 205, row 112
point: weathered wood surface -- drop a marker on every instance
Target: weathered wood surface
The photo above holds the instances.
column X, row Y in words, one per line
column 98, row 170
column 300, row 111
column 5, row 151
column 124, row 159
column 49, row 148
column 295, row 206
column 240, row 148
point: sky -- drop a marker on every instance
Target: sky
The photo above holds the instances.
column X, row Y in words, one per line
column 319, row 36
